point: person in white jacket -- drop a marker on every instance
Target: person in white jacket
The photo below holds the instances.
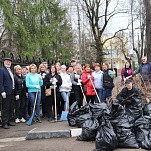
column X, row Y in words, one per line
column 66, row 87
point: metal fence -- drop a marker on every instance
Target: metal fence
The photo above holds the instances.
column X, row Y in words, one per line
column 23, row 61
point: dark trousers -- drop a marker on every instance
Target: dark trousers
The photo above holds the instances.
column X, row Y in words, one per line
column 26, row 107
column 43, row 101
column 19, row 106
column 106, row 94
column 78, row 97
column 7, row 108
column 49, row 103
column 90, row 98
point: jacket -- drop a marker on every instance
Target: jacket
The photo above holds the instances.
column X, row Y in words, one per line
column 130, row 72
column 32, row 80
column 6, row 83
column 125, row 93
column 74, row 80
column 88, row 84
column 107, row 79
column 49, row 84
column 20, row 86
column 66, row 85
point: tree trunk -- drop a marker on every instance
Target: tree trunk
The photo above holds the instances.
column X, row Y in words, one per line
column 148, row 28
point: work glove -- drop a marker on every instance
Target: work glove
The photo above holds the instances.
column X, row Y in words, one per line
column 79, row 80
column 89, row 76
column 3, row 95
column 127, row 78
column 37, row 86
column 17, row 97
column 79, row 83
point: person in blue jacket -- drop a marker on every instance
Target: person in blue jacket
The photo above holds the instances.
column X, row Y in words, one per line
column 7, row 87
column 33, row 84
column 144, row 70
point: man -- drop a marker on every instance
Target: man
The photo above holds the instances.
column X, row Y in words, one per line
column 127, row 92
column 73, row 63
column 7, row 87
column 144, row 70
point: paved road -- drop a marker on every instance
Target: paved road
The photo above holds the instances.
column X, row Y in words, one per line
column 64, row 144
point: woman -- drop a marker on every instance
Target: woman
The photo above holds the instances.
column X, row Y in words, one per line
column 98, row 81
column 52, row 80
column 76, row 84
column 127, row 72
column 42, row 71
column 66, row 87
column 88, row 81
column 33, row 84
column 108, row 84
column 20, row 94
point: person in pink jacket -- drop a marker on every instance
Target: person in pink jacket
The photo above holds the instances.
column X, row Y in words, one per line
column 127, row 72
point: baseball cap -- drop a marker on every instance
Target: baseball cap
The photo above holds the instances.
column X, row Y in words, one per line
column 127, row 81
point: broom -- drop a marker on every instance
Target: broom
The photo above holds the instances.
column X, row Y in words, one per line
column 29, row 122
column 95, row 91
column 85, row 102
column 65, row 113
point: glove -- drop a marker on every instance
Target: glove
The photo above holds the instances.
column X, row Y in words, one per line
column 124, row 80
column 27, row 95
column 89, row 76
column 79, row 83
column 37, row 86
column 17, row 97
column 3, row 95
column 54, row 82
column 79, row 80
column 127, row 78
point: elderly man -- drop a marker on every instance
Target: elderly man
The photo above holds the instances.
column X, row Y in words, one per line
column 144, row 70
column 7, row 87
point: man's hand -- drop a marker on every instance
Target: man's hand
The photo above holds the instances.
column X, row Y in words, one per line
column 3, row 95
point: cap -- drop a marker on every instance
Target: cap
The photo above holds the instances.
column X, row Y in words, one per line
column 8, row 59
column 127, row 81
column 72, row 61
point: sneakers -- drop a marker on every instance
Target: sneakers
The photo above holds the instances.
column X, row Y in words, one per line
column 38, row 120
column 17, row 120
column 23, row 120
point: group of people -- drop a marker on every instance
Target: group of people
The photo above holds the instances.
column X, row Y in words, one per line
column 26, row 85
column 20, row 89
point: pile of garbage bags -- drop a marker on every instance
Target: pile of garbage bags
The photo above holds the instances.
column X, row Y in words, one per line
column 113, row 127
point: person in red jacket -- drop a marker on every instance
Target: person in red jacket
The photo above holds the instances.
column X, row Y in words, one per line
column 87, row 80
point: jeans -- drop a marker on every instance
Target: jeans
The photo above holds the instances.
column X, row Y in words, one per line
column 32, row 96
column 65, row 96
column 100, row 95
column 107, row 93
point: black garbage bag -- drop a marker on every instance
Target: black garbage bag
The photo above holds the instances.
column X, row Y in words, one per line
column 147, row 109
column 126, row 138
column 99, row 109
column 81, row 119
column 119, row 117
column 83, row 110
column 89, row 130
column 75, row 111
column 135, row 108
column 142, row 132
column 106, row 139
column 71, row 116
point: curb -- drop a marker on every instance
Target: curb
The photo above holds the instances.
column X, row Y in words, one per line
column 47, row 134
column 32, row 135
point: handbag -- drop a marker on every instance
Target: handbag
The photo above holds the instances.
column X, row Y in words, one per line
column 48, row 91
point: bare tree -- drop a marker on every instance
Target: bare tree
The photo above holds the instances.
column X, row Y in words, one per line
column 99, row 15
column 147, row 4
